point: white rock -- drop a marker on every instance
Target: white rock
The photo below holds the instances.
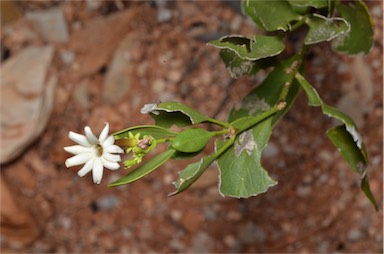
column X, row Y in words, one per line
column 117, row 81
column 27, row 93
column 50, row 23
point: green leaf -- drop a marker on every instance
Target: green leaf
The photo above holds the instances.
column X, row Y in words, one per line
column 345, row 137
column 343, row 140
column 194, row 170
column 325, row 29
column 318, row 4
column 156, row 132
column 192, row 140
column 364, row 185
column 354, row 156
column 238, row 67
column 264, row 96
column 315, row 100
column 169, row 113
column 259, row 47
column 190, row 174
column 271, row 15
column 241, row 172
column 184, row 156
column 312, row 95
column 144, row 169
column 359, row 39
column 167, row 119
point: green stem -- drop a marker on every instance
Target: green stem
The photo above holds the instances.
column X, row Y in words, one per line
column 298, row 24
column 260, row 117
column 163, row 140
column 222, row 149
column 281, row 104
column 214, row 121
column 291, row 71
column 219, row 133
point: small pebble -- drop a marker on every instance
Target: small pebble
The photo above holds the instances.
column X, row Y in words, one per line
column 303, row 190
column 202, row 243
column 107, row 202
column 354, row 235
column 271, row 150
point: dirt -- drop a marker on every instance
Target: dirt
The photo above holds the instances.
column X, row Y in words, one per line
column 317, row 205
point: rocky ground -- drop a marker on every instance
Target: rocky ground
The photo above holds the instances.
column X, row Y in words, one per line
column 75, row 63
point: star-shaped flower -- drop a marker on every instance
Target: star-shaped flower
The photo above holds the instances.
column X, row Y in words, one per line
column 95, row 153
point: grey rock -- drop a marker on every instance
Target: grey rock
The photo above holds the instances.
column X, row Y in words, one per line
column 354, row 235
column 117, row 81
column 358, row 92
column 271, row 150
column 93, row 5
column 177, row 245
column 50, row 24
column 202, row 243
column 107, row 202
column 323, row 178
column 26, row 100
column 303, row 190
column 65, row 222
column 323, row 247
column 67, row 56
column 80, row 94
column 250, row 233
column 163, row 14
column 209, row 214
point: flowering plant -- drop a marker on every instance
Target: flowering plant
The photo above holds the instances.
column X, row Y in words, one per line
column 240, row 141
column 94, row 153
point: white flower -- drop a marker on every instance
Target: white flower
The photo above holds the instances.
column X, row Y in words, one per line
column 93, row 153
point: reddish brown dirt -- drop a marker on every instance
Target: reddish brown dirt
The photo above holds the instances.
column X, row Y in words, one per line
column 316, row 207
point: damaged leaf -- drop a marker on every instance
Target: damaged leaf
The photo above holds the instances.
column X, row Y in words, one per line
column 359, row 38
column 345, row 137
column 252, row 49
column 325, row 29
column 241, row 172
column 169, row 113
column 194, row 170
column 271, row 15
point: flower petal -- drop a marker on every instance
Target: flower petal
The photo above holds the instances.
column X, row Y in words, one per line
column 90, row 136
column 78, row 159
column 104, row 133
column 109, row 141
column 97, row 172
column 113, row 149
column 110, row 165
column 112, row 157
column 77, row 149
column 79, row 139
column 86, row 168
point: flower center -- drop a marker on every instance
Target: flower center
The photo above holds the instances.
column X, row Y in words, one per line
column 99, row 150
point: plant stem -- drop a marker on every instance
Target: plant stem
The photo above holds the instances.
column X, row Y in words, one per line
column 214, row 121
column 262, row 116
column 298, row 24
column 222, row 149
column 163, row 140
column 218, row 133
column 291, row 71
column 281, row 103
